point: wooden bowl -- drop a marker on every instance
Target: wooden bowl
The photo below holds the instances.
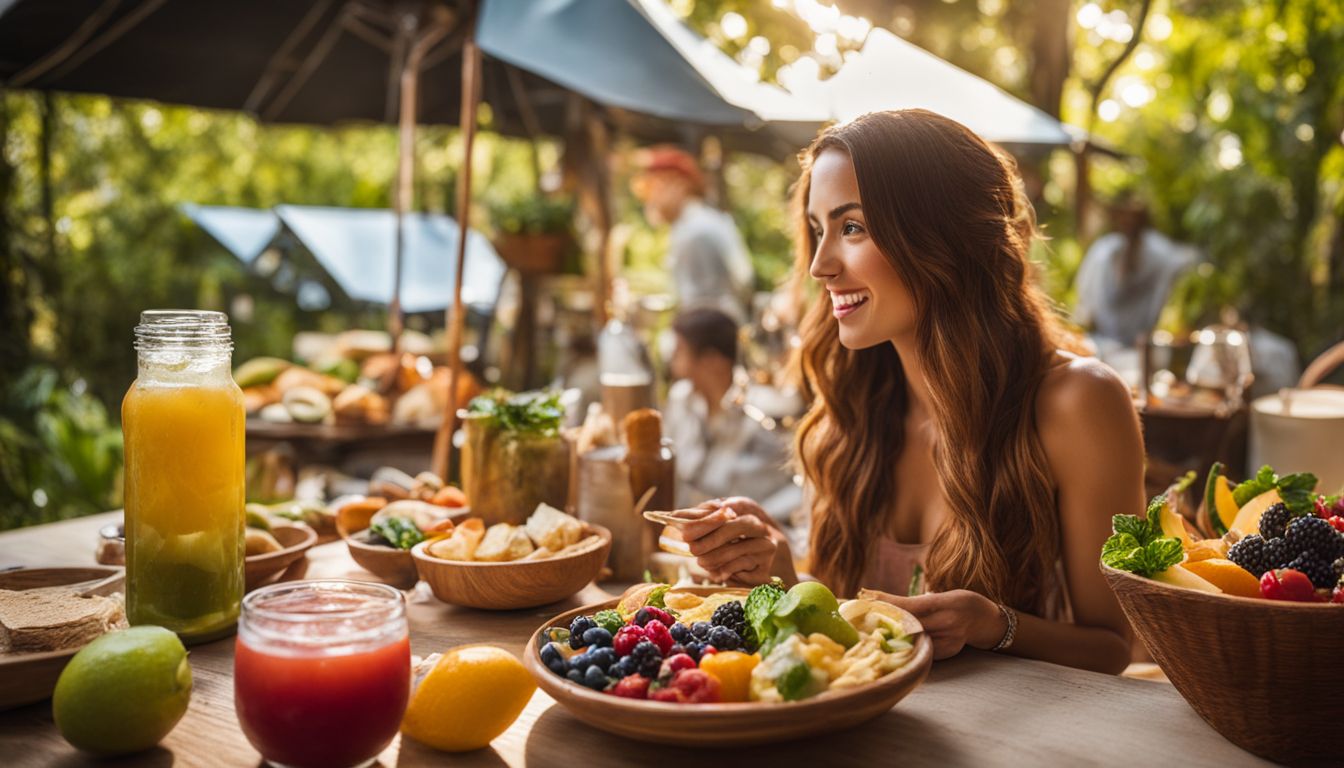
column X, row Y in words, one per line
column 735, row 724
column 391, row 565
column 1265, row 674
column 295, row 538
column 512, row 585
column 30, row 677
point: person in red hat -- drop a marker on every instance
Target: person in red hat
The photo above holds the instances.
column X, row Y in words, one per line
column 707, row 258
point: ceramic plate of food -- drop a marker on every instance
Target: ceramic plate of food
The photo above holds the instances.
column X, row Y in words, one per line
column 730, row 666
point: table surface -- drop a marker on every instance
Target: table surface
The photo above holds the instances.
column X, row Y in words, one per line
column 978, row 709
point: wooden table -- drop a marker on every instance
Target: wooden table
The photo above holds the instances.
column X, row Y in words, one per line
column 978, row 709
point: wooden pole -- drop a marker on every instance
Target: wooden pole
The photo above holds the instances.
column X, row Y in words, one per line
column 471, row 75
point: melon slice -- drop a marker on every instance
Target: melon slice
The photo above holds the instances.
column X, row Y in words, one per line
column 1172, row 523
column 1248, row 519
column 1178, row 576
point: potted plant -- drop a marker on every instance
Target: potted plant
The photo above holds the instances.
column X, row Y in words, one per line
column 534, row 234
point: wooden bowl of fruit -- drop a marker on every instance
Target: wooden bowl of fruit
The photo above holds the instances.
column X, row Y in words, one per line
column 384, row 547
column 507, row 567
column 691, row 694
column 294, row 541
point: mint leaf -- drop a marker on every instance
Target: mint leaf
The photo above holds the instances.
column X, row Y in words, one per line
column 1121, row 552
column 793, row 683
column 1252, row 487
column 760, row 604
column 1159, row 555
column 1124, row 552
column 1132, row 525
column 1298, row 493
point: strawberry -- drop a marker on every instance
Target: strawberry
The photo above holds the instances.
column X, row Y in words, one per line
column 695, row 686
column 631, row 687
column 1287, row 584
column 1338, row 596
column 1320, row 509
column 674, row 664
column 627, row 638
column 657, row 632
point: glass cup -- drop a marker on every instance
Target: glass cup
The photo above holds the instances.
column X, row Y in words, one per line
column 322, row 671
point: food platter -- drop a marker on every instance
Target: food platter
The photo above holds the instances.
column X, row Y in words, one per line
column 724, row 724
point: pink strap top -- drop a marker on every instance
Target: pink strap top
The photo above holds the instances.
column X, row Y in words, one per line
column 891, row 567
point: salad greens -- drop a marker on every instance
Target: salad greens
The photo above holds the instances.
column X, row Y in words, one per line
column 658, row 597
column 1295, row 490
column 792, row 685
column 1138, row 545
column 534, row 413
column 399, row 532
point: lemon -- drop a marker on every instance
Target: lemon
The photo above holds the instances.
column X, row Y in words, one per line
column 123, row 692
column 473, row 694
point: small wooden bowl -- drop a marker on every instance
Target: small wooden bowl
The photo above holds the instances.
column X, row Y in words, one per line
column 512, row 585
column 735, row 724
column 1265, row 674
column 295, row 538
column 391, row 565
column 30, row 677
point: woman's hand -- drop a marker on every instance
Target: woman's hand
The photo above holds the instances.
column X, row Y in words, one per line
column 736, row 543
column 952, row 619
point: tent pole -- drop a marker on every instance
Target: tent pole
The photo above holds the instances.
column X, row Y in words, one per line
column 471, row 74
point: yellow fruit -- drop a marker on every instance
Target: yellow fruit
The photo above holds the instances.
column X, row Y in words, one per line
column 1179, row 576
column 733, row 671
column 1248, row 519
column 1227, row 576
column 472, row 695
column 1204, row 549
column 1172, row 523
column 1224, row 505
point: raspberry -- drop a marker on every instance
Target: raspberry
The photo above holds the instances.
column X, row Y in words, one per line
column 657, row 633
column 674, row 664
column 1274, row 520
column 649, row 613
column 627, row 638
column 631, row 687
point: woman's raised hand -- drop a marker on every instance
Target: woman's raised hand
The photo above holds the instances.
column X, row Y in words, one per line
column 737, row 542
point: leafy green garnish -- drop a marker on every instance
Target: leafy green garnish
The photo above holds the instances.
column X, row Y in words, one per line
column 609, row 620
column 658, row 597
column 533, row 413
column 1138, row 545
column 793, row 684
column 759, row 606
column 398, row 532
column 1295, row 490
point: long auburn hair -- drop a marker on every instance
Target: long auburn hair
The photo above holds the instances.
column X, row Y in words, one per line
column 949, row 213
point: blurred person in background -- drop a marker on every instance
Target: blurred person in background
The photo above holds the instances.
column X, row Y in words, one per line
column 724, row 446
column 707, row 259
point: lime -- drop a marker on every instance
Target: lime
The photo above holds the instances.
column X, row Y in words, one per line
column 123, row 692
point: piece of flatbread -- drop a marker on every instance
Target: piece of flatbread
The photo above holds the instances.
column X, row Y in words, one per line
column 549, row 528
column 677, row 517
column 503, row 543
column 46, row 621
column 587, row 543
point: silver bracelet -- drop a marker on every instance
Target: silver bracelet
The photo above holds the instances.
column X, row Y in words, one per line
column 1007, row 641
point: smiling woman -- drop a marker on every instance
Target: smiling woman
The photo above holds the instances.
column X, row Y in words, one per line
column 951, row 429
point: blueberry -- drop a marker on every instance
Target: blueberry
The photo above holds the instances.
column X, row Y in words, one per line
column 701, row 630
column 551, row 657
column 681, row 633
column 724, row 639
column 595, row 678
column 603, row 658
column 694, row 650
column 625, row 667
column 577, row 628
column 597, row 636
column 575, row 676
column 579, row 662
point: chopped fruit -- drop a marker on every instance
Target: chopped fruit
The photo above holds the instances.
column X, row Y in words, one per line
column 1173, row 524
column 733, row 671
column 1248, row 519
column 689, row 686
column 1218, row 500
column 1178, row 576
column 1205, row 549
column 1287, row 584
column 631, row 687
column 1226, row 575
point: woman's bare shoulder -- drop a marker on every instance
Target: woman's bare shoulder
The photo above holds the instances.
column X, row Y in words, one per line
column 1083, row 404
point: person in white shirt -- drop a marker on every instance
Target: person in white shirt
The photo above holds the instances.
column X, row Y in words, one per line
column 721, row 449
column 707, row 258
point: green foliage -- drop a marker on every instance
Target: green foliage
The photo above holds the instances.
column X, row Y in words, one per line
column 533, row 215
column 60, row 454
column 535, row 413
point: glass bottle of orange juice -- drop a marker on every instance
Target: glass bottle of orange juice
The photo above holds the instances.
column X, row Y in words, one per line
column 185, row 489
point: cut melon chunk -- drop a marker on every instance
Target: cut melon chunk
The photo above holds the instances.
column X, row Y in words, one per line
column 1173, row 524
column 1248, row 519
column 1178, row 576
column 1225, row 507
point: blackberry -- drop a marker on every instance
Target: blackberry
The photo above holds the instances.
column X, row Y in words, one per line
column 681, row 633
column 734, row 616
column 1250, row 554
column 1274, row 521
column 725, row 639
column 1277, row 553
column 577, row 627
column 1315, row 537
column 647, row 659
column 1319, row 571
column 700, row 630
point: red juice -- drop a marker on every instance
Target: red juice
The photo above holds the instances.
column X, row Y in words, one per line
column 321, row 680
